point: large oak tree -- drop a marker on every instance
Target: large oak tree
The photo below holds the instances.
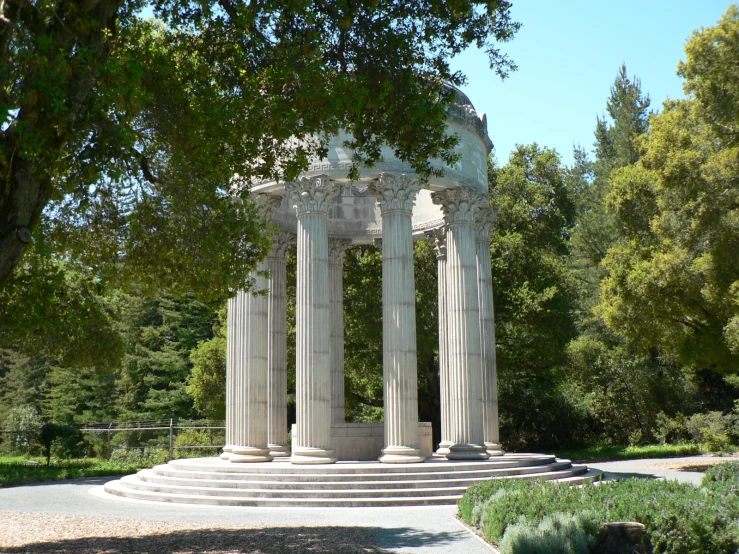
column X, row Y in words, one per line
column 120, row 134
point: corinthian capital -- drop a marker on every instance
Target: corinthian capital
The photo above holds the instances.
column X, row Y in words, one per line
column 484, row 221
column 395, row 192
column 458, row 204
column 267, row 203
column 336, row 249
column 281, row 243
column 438, row 235
column 312, row 194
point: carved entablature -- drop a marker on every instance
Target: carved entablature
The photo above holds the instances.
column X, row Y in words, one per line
column 281, row 243
column 312, row 194
column 484, row 221
column 336, row 249
column 395, row 192
column 438, row 235
column 458, row 205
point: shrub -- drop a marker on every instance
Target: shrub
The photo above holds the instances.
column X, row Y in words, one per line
column 146, row 457
column 672, row 430
column 713, row 429
column 679, row 517
column 198, row 437
column 722, row 477
column 23, row 424
column 555, row 534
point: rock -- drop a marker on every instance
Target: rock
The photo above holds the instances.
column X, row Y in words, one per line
column 623, row 538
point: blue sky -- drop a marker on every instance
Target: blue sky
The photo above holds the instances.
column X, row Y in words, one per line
column 568, row 54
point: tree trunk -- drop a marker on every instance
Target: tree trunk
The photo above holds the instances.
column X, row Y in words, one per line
column 24, row 196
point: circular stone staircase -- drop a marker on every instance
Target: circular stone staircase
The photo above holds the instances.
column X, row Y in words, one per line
column 279, row 483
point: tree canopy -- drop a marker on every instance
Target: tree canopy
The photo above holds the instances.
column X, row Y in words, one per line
column 120, row 135
column 673, row 280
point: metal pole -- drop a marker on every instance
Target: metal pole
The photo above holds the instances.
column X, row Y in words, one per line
column 171, row 438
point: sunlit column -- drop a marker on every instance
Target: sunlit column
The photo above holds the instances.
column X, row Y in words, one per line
column 277, row 345
column 463, row 325
column 311, row 199
column 336, row 250
column 484, row 220
column 395, row 196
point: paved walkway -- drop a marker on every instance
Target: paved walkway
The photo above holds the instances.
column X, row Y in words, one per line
column 667, row 468
column 417, row 530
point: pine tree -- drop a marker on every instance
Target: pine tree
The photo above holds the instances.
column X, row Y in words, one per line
column 160, row 334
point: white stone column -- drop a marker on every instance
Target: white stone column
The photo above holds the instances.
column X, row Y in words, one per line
column 484, row 220
column 311, row 199
column 277, row 345
column 336, row 249
column 439, row 237
column 395, row 195
column 463, row 324
column 246, row 366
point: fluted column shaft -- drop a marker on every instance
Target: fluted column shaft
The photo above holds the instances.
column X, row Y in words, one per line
column 439, row 236
column 336, row 248
column 248, row 370
column 246, row 365
column 395, row 197
column 485, row 219
column 277, row 345
column 463, row 324
column 313, row 322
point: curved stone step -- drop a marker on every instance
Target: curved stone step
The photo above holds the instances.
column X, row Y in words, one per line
column 329, row 481
column 435, row 464
column 442, row 488
column 438, row 481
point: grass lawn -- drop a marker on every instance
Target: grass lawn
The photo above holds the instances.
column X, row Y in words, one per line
column 18, row 470
column 615, row 453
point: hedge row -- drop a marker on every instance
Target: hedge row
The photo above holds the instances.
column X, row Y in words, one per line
column 680, row 518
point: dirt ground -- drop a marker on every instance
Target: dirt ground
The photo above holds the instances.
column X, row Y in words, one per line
column 56, row 534
column 693, row 465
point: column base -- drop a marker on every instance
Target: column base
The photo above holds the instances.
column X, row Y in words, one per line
column 304, row 455
column 249, row 454
column 279, row 450
column 467, row 451
column 443, row 449
column 226, row 454
column 494, row 448
column 401, row 455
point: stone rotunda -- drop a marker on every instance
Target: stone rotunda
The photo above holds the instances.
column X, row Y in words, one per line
column 391, row 207
column 330, row 462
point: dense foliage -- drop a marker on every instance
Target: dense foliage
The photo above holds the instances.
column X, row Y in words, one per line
column 680, row 518
column 615, row 279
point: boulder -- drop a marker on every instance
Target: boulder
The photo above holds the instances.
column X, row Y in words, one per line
column 623, row 538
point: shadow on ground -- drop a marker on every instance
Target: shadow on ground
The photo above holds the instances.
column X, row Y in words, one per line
column 271, row 540
column 621, row 476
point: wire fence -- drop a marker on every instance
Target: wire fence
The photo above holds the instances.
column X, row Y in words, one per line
column 118, row 439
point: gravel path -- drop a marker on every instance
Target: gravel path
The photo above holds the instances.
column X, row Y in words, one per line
column 77, row 516
column 61, row 533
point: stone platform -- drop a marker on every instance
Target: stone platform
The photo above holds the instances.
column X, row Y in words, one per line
column 437, row 481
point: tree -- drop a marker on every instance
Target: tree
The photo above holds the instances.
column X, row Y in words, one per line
column 160, row 334
column 597, row 229
column 124, row 134
column 207, row 382
column 673, row 280
column 534, row 296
